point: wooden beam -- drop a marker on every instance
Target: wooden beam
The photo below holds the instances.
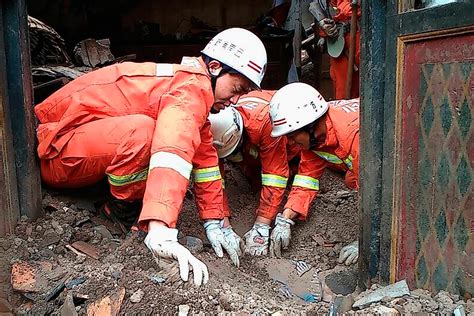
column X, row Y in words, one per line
column 371, row 139
column 20, row 96
column 9, row 206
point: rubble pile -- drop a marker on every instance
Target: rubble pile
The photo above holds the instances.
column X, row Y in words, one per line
column 74, row 262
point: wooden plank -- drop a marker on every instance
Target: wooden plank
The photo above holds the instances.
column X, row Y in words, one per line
column 9, row 210
column 371, row 136
column 20, row 95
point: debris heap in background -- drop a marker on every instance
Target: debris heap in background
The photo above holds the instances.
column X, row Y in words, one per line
column 46, row 45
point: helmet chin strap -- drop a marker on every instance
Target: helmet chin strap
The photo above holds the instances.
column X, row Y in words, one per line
column 310, row 130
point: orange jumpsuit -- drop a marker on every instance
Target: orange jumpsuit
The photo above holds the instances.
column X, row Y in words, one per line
column 264, row 153
column 341, row 147
column 338, row 66
column 145, row 127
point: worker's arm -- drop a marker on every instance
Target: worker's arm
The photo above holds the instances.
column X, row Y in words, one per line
column 207, row 178
column 183, row 112
column 305, row 185
column 275, row 172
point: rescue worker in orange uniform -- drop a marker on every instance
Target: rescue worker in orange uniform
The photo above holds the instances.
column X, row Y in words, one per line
column 144, row 126
column 243, row 136
column 328, row 133
column 333, row 17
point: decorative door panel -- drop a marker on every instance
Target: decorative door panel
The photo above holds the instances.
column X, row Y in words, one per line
column 434, row 182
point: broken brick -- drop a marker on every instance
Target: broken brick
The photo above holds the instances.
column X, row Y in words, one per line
column 109, row 305
column 86, row 248
column 27, row 278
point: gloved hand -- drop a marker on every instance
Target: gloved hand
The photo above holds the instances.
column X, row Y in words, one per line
column 256, row 240
column 163, row 243
column 321, row 43
column 218, row 240
column 281, row 235
column 349, row 254
column 329, row 27
column 233, row 239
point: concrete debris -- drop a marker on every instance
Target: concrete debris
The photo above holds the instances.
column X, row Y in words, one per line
column 103, row 231
column 381, row 310
column 137, row 296
column 157, row 279
column 75, row 282
column 231, row 302
column 68, row 308
column 393, row 290
column 183, row 310
column 194, row 244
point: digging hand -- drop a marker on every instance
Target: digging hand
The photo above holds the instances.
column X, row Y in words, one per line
column 163, row 243
column 349, row 254
column 233, row 239
column 221, row 237
column 256, row 240
column 281, row 235
column 329, row 27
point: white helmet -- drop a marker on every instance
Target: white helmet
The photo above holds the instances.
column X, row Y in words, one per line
column 295, row 106
column 241, row 50
column 226, row 129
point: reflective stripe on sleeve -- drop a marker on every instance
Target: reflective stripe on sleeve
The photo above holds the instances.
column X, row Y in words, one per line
column 348, row 162
column 206, row 174
column 329, row 157
column 164, row 159
column 306, row 182
column 272, row 180
column 119, row 181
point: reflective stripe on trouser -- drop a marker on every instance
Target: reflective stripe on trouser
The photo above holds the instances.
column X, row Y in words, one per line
column 272, row 180
column 206, row 174
column 306, row 182
column 335, row 159
column 116, row 146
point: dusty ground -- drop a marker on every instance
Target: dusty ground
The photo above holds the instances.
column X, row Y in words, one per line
column 125, row 269
column 126, row 262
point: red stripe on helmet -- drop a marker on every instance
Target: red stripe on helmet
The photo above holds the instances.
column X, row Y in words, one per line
column 279, row 122
column 255, row 65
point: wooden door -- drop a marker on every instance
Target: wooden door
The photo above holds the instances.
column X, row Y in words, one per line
column 418, row 144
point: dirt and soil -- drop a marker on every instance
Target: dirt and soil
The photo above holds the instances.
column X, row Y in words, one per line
column 126, row 275
column 124, row 261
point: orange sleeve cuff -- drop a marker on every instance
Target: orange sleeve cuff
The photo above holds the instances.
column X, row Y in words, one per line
column 157, row 211
column 212, row 213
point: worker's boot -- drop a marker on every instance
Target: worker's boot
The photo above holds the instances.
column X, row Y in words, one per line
column 123, row 213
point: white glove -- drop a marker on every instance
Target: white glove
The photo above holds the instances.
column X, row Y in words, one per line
column 321, row 43
column 281, row 235
column 218, row 240
column 256, row 240
column 329, row 27
column 349, row 254
column 163, row 243
column 233, row 239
